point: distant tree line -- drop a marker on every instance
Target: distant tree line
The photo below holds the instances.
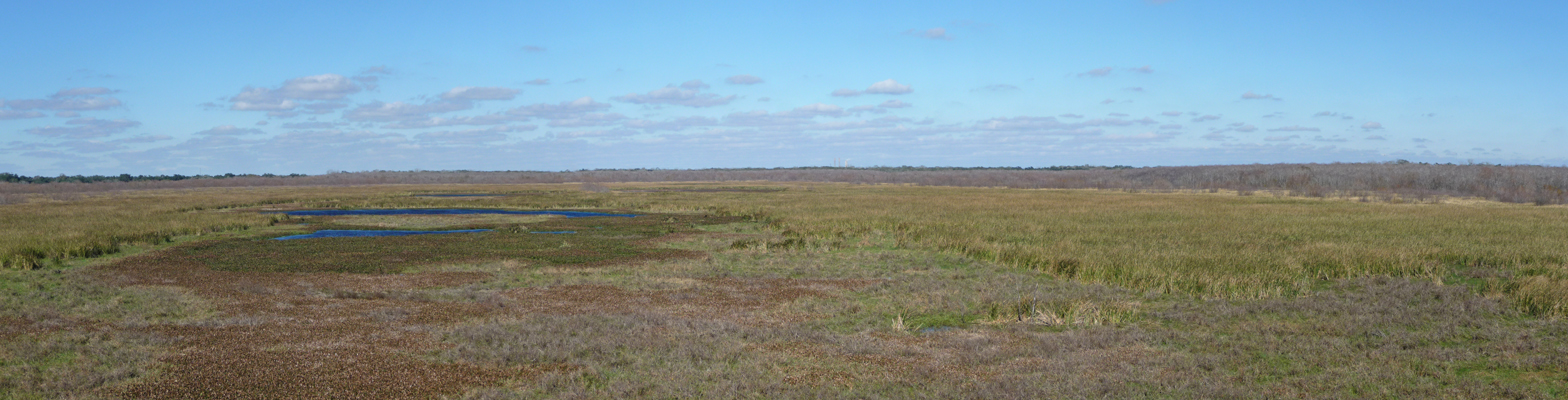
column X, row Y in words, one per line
column 14, row 178
column 1508, row 183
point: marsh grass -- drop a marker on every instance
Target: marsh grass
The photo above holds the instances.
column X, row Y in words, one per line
column 1361, row 338
column 64, row 297
column 75, row 364
column 431, row 222
column 598, row 239
column 40, row 233
column 991, row 293
column 63, row 346
column 1204, row 245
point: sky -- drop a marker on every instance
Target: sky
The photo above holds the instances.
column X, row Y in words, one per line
column 313, row 87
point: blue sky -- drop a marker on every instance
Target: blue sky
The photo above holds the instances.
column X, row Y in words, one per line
column 285, row 87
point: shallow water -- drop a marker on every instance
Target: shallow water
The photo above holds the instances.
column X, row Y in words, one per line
column 328, row 233
column 450, row 211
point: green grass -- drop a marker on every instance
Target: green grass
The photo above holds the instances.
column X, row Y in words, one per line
column 1049, row 293
column 598, row 239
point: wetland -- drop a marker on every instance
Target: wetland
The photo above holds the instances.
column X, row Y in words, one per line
column 815, row 291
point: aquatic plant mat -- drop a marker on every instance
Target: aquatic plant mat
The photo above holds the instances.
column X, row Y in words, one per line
column 797, row 291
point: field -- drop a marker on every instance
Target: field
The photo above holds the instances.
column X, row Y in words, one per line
column 783, row 290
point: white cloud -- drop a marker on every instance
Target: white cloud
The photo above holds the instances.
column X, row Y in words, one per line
column 743, row 79
column 866, row 108
column 815, row 110
column 229, row 130
column 322, row 107
column 588, row 119
column 1249, row 95
column 694, row 84
column 677, row 96
column 1000, row 87
column 895, row 103
column 260, row 99
column 596, row 134
column 563, row 109
column 318, row 87
column 1142, row 70
column 1206, row 118
column 1371, row 126
column 144, row 139
column 310, row 125
column 933, row 33
column 400, row 111
column 85, row 128
column 72, row 99
column 796, row 117
column 1171, row 113
column 1281, row 138
column 538, row 82
column 671, row 125
column 1097, row 72
column 1146, row 137
column 845, row 93
column 1375, row 137
column 473, row 136
column 13, row 114
column 487, row 119
column 283, row 98
column 480, row 93
column 1295, row 128
column 1051, row 126
column 82, row 91
column 1170, row 126
column 888, row 87
column 1216, row 136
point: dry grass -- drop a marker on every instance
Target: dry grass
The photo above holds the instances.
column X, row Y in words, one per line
column 1191, row 244
column 417, row 222
column 816, row 291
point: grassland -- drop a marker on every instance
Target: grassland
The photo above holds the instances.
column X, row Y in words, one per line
column 785, row 290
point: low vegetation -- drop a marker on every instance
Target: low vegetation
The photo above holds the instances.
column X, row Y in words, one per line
column 785, row 290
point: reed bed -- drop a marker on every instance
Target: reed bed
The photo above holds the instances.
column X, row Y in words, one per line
column 819, row 291
column 1199, row 244
column 1211, row 245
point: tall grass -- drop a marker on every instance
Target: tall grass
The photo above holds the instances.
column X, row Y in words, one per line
column 1206, row 245
column 1507, row 183
column 35, row 233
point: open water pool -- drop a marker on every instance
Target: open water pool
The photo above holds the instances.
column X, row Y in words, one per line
column 331, row 233
column 448, row 211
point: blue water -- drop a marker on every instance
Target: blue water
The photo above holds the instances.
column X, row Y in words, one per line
column 327, row 233
column 554, row 232
column 450, row 211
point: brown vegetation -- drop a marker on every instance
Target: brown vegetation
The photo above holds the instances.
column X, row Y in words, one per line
column 804, row 291
column 1506, row 183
